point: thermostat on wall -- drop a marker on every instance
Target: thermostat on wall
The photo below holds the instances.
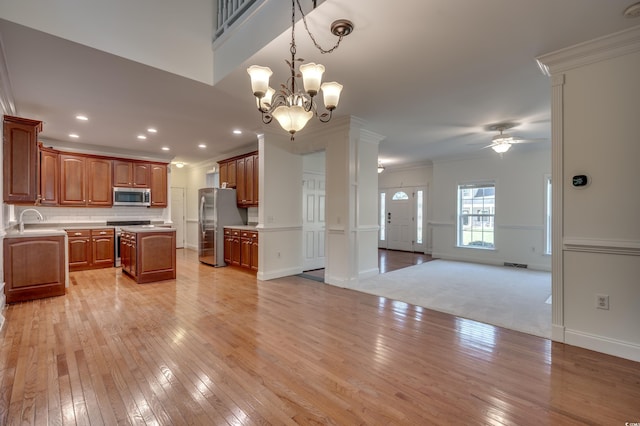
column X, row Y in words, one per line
column 580, row 181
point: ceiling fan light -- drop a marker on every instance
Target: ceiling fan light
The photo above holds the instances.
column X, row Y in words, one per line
column 312, row 77
column 502, row 147
column 259, row 79
column 292, row 118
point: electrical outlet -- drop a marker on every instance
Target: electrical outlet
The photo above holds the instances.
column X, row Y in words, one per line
column 602, row 301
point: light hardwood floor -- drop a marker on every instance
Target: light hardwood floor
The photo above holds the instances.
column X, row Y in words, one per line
column 216, row 346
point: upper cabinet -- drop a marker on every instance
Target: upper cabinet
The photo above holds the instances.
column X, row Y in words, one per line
column 85, row 181
column 241, row 173
column 43, row 175
column 20, row 159
column 159, row 185
column 49, row 176
column 131, row 174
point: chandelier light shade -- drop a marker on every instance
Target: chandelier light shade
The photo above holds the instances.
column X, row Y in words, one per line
column 290, row 106
column 380, row 167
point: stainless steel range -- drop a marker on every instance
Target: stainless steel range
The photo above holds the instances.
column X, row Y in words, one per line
column 117, row 224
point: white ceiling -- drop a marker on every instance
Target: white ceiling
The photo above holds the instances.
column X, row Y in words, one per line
column 429, row 75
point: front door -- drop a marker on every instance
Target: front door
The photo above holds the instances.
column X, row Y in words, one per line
column 400, row 220
column 313, row 226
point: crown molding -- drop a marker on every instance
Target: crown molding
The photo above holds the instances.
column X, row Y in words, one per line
column 589, row 52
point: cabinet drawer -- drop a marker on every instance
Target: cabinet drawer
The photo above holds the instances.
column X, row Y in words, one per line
column 78, row 232
column 102, row 232
column 227, row 231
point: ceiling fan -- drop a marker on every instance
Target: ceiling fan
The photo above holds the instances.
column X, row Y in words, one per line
column 501, row 143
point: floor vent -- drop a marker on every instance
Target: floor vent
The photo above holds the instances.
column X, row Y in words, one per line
column 515, row 265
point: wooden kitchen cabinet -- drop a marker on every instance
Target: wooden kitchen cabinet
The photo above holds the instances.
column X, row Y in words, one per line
column 131, row 174
column 99, row 190
column 85, row 181
column 151, row 254
column 49, row 177
column 91, row 248
column 34, row 267
column 79, row 249
column 20, row 161
column 241, row 248
column 159, row 185
column 102, row 248
column 241, row 173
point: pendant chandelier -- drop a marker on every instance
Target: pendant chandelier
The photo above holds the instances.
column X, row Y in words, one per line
column 290, row 106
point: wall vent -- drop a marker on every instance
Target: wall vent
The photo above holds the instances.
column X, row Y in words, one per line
column 515, row 265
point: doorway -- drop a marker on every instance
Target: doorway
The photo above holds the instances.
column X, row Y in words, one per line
column 402, row 219
column 313, row 224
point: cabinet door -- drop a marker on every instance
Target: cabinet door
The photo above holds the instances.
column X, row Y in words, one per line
column 249, row 195
column 254, row 253
column 241, row 182
column 256, row 180
column 49, row 177
column 122, row 173
column 224, row 173
column 99, row 190
column 79, row 253
column 125, row 252
column 72, row 180
column 133, row 255
column 158, row 185
column 141, row 175
column 231, row 174
column 228, row 248
column 245, row 254
column 235, row 251
column 20, row 160
column 102, row 242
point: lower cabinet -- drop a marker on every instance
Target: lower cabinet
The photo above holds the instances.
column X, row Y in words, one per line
column 34, row 267
column 91, row 248
column 241, row 248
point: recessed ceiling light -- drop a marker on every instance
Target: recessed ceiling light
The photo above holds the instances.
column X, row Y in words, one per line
column 179, row 165
column 82, row 117
column 237, row 132
column 202, row 145
column 152, row 130
column 142, row 137
column 165, row 148
column 74, row 135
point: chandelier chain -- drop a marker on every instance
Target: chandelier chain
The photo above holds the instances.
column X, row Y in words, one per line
column 306, row 27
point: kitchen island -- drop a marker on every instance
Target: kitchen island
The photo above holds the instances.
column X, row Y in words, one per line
column 148, row 253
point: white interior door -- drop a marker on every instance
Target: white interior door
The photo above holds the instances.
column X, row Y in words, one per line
column 177, row 214
column 313, row 226
column 399, row 219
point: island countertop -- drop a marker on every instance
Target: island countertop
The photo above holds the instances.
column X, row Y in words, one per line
column 147, row 228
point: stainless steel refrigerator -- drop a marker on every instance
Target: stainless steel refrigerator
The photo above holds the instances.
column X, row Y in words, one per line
column 218, row 208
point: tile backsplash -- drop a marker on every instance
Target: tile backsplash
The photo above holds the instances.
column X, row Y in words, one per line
column 89, row 215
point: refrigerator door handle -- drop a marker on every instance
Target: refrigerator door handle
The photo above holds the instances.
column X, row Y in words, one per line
column 202, row 217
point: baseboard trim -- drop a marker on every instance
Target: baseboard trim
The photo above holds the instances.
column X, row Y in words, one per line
column 557, row 333
column 603, row 344
column 272, row 275
column 362, row 275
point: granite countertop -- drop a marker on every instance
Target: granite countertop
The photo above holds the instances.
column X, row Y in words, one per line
column 35, row 232
column 242, row 227
column 148, row 228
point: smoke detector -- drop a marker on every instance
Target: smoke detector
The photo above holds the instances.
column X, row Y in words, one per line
column 632, row 11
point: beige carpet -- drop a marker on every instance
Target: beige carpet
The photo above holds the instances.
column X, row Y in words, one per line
column 507, row 297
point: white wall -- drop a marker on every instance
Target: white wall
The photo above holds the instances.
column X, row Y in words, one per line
column 519, row 232
column 597, row 99
column 164, row 34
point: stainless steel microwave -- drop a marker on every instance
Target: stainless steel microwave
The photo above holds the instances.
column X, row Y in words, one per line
column 131, row 197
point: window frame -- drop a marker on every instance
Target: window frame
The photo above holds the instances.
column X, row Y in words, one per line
column 485, row 217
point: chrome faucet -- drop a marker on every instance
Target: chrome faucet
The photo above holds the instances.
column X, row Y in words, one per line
column 21, row 223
